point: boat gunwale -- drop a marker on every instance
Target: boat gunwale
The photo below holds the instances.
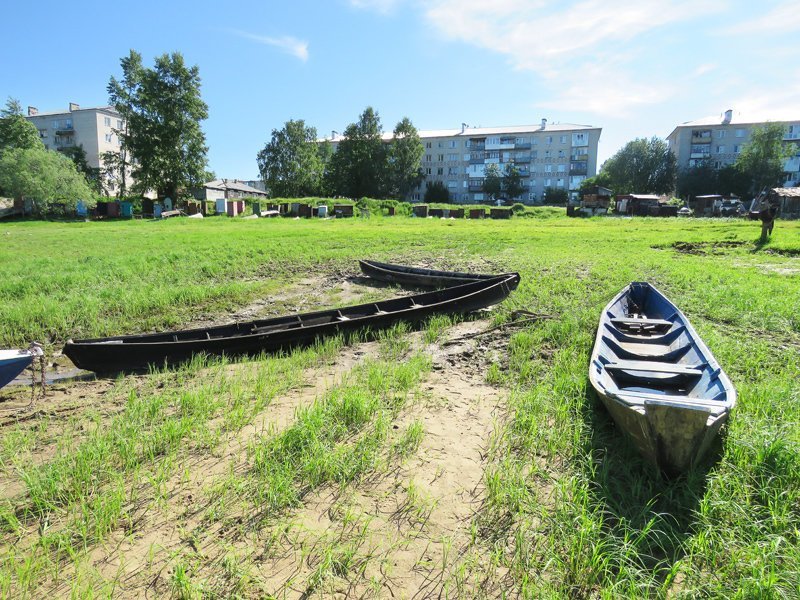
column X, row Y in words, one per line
column 130, row 340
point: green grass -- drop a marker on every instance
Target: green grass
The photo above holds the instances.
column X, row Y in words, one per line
column 571, row 510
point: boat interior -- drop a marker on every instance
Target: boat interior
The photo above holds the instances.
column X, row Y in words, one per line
column 646, row 350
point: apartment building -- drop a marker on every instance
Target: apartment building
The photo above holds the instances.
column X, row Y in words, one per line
column 719, row 140
column 92, row 128
column 557, row 156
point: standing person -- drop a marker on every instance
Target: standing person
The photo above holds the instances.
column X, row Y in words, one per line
column 766, row 212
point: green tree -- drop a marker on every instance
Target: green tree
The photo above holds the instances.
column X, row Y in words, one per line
column 162, row 108
column 697, row 181
column 404, row 160
column 43, row 176
column 731, row 181
column 762, row 158
column 290, row 163
column 512, row 182
column 555, row 196
column 15, row 130
column 357, row 168
column 642, row 166
column 492, row 182
column 601, row 179
column 436, row 191
column 78, row 156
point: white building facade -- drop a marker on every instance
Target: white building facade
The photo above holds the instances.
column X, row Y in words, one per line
column 558, row 156
column 718, row 141
column 91, row 128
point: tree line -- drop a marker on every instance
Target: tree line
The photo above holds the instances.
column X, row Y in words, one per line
column 295, row 163
column 649, row 166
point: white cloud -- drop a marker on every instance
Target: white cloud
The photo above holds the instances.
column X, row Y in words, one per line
column 704, row 69
column 381, row 6
column 286, row 43
column 784, row 18
column 776, row 104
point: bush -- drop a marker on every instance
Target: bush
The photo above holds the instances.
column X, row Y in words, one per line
column 518, row 208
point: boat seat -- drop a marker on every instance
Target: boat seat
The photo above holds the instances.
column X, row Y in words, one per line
column 714, row 407
column 642, row 324
column 655, row 367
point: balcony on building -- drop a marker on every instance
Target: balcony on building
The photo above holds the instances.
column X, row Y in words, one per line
column 578, row 168
column 580, row 154
column 792, row 165
column 793, row 133
column 476, row 157
column 476, row 185
column 479, row 144
column 523, row 146
column 701, row 136
column 522, row 157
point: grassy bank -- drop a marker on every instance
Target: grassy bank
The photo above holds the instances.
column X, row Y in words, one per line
column 565, row 507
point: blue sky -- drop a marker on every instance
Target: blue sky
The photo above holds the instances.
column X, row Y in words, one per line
column 636, row 68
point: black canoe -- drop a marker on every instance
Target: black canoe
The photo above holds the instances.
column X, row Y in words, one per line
column 413, row 276
column 135, row 352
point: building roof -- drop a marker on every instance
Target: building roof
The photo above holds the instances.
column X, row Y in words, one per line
column 232, row 184
column 793, row 192
column 469, row 132
column 108, row 109
column 736, row 119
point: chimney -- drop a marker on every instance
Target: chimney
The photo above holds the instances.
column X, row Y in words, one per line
column 32, row 111
column 334, row 133
column 728, row 116
column 464, row 127
column 544, row 123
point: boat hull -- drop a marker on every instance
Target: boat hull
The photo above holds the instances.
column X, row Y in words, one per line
column 130, row 353
column 413, row 276
column 658, row 380
column 12, row 363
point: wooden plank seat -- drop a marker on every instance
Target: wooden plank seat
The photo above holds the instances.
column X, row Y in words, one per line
column 655, row 367
column 714, row 407
column 634, row 323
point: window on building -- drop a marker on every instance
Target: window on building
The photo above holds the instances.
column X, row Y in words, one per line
column 548, row 168
column 108, row 138
column 740, row 133
column 107, row 121
column 439, row 145
column 119, row 123
column 441, row 158
column 547, row 153
column 560, row 183
column 440, row 171
column 534, row 154
column 560, row 154
column 427, row 158
column 43, row 133
column 427, row 144
column 546, row 183
column 720, row 149
column 452, row 144
column 521, row 140
column 428, row 171
column 452, row 157
column 721, row 133
column 549, row 139
column 563, row 139
column 466, row 157
column 736, row 149
column 534, row 141
column 562, row 168
column 452, row 184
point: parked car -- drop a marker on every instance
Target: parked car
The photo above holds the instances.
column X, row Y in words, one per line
column 685, row 212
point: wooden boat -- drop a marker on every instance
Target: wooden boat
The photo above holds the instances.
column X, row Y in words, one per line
column 658, row 379
column 134, row 352
column 12, row 363
column 413, row 276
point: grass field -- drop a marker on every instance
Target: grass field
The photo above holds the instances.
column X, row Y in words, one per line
column 448, row 462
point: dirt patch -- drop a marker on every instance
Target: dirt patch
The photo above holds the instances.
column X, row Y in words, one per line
column 705, row 247
column 407, row 528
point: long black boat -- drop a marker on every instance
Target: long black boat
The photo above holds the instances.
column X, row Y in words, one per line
column 136, row 352
column 413, row 276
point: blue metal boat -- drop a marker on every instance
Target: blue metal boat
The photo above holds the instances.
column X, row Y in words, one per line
column 12, row 363
column 658, row 379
